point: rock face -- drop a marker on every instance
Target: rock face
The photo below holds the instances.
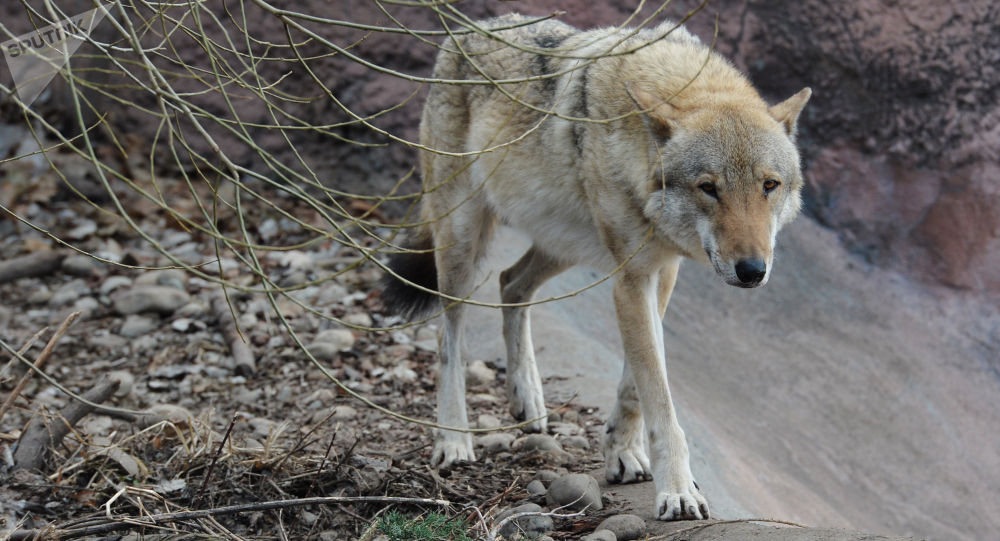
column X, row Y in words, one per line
column 901, row 138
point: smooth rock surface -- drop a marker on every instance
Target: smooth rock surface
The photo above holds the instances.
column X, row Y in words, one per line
column 576, row 491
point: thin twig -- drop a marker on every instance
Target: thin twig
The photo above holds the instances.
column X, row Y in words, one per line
column 42, row 357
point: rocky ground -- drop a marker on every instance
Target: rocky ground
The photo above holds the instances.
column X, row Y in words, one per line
column 226, row 432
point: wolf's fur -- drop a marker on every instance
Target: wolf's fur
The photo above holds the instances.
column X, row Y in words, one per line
column 633, row 191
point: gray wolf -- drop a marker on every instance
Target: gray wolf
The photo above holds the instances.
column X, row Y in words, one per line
column 681, row 158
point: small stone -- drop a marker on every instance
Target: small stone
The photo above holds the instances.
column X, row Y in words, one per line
column 69, row 292
column 323, row 351
column 136, row 325
column 174, row 278
column 87, row 306
column 537, row 442
column 359, row 319
column 547, row 476
column 145, row 298
column 487, row 421
column 536, row 488
column 576, row 442
column 576, row 491
column 331, row 293
column 125, row 381
column 427, row 332
column 529, row 526
column 342, row 339
column 600, row 535
column 85, row 229
column 565, row 429
column 625, row 527
column 113, row 283
column 495, row 443
column 40, row 295
column 426, row 345
column 192, row 309
column 402, row 374
column 478, row 373
column 344, row 412
column 554, row 417
column 80, row 265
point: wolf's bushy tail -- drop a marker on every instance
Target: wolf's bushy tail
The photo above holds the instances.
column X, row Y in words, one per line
column 418, row 267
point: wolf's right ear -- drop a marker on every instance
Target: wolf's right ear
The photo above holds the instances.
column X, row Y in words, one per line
column 787, row 112
column 656, row 113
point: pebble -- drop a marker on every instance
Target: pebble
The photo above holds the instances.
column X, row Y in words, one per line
column 487, row 421
column 323, row 351
column 331, row 293
column 565, row 429
column 536, row 488
column 601, row 535
column 359, row 319
column 342, row 339
column 136, row 325
column 626, row 527
column 147, row 298
column 87, row 306
column 576, row 491
column 174, row 278
column 547, row 476
column 477, row 373
column 69, row 292
column 80, row 265
column 40, row 295
column 528, row 526
column 426, row 345
column 538, row 442
column 113, row 283
column 495, row 443
column 125, row 381
column 576, row 442
column 194, row 308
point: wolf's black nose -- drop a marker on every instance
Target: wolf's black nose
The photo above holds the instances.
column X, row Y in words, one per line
column 751, row 271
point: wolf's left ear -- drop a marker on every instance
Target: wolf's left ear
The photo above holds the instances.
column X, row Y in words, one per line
column 656, row 113
column 787, row 112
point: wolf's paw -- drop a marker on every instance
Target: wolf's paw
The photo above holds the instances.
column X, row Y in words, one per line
column 452, row 448
column 526, row 403
column 626, row 464
column 684, row 504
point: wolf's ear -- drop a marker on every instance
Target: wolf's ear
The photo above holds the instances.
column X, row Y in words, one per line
column 787, row 112
column 656, row 113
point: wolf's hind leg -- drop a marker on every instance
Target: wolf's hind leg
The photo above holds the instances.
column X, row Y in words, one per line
column 524, row 385
column 624, row 444
column 461, row 239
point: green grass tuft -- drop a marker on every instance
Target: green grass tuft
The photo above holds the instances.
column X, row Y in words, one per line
column 430, row 527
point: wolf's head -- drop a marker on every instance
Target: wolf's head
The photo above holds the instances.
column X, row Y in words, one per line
column 727, row 178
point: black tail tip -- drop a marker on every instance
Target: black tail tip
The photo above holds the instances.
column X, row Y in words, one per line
column 419, row 268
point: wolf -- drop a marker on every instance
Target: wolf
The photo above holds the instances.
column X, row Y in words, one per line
column 625, row 150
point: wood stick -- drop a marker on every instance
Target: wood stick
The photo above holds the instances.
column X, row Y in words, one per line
column 42, row 357
column 36, row 264
column 39, row 438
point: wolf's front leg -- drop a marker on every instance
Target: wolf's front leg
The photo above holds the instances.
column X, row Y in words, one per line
column 624, row 445
column 636, row 297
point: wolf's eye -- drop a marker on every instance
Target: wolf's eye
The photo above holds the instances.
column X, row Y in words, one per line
column 770, row 184
column 709, row 188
